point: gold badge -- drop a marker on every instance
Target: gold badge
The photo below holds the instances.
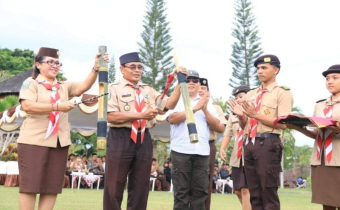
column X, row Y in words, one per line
column 127, row 107
column 58, row 53
column 267, row 60
column 266, row 112
column 204, row 81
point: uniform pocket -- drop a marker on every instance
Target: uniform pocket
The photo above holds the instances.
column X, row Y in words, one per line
column 126, row 104
column 269, row 109
column 273, row 175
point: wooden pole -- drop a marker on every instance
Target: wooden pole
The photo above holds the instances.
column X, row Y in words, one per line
column 102, row 101
column 187, row 104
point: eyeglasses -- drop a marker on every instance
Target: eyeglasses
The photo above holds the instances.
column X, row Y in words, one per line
column 52, row 63
column 135, row 67
column 194, row 80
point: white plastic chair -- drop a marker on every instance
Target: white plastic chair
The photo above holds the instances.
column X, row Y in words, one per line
column 224, row 182
column 12, row 168
column 153, row 183
column 3, row 167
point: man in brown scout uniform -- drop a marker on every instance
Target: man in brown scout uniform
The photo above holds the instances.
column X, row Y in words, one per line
column 213, row 137
column 131, row 113
column 262, row 147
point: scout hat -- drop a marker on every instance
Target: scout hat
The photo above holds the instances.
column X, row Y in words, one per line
column 204, row 82
column 193, row 73
column 128, row 58
column 332, row 69
column 240, row 89
column 50, row 52
column 271, row 59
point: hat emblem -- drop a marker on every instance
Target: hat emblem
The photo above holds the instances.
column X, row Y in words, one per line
column 204, row 81
column 267, row 59
column 58, row 53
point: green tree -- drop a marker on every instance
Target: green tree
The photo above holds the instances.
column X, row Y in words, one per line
column 246, row 48
column 8, row 102
column 112, row 71
column 17, row 61
column 154, row 49
column 4, row 75
column 302, row 159
column 289, row 152
column 83, row 145
column 219, row 101
column 13, row 62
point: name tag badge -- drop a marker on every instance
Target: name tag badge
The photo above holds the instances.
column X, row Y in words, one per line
column 126, row 95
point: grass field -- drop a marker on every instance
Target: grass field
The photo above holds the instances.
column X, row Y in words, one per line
column 87, row 199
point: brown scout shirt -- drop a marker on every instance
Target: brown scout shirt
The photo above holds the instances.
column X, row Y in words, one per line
column 335, row 161
column 123, row 100
column 231, row 130
column 222, row 119
column 34, row 128
column 277, row 102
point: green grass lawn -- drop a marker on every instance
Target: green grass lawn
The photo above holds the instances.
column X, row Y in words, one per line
column 87, row 199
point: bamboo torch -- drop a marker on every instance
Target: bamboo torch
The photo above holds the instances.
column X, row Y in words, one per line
column 102, row 101
column 187, row 104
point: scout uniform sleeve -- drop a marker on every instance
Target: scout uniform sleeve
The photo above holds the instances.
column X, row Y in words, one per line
column 29, row 90
column 158, row 97
column 229, row 128
column 72, row 88
column 220, row 114
column 112, row 103
column 285, row 103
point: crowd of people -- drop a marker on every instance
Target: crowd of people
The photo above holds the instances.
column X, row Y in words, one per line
column 77, row 163
column 131, row 110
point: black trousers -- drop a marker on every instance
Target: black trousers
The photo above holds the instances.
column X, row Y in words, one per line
column 262, row 168
column 190, row 180
column 125, row 159
column 211, row 173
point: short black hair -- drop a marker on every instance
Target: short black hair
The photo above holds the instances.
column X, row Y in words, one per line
column 94, row 153
column 154, row 159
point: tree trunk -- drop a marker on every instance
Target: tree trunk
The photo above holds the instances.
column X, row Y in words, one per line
column 154, row 148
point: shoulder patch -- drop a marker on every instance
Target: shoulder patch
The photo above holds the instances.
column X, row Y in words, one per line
column 285, row 87
column 25, row 85
column 320, row 100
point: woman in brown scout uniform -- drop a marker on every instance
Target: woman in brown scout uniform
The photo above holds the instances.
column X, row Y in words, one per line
column 325, row 158
column 45, row 134
column 236, row 161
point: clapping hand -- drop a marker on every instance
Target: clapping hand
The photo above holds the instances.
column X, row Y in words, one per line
column 235, row 107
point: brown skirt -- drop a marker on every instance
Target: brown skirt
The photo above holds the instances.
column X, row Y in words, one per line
column 325, row 184
column 41, row 169
column 239, row 177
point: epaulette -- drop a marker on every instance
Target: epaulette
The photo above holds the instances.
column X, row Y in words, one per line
column 285, row 87
column 114, row 83
column 320, row 100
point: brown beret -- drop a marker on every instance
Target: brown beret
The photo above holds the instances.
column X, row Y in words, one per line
column 332, row 69
column 50, row 52
column 271, row 59
column 240, row 89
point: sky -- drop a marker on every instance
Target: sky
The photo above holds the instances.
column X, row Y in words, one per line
column 304, row 35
